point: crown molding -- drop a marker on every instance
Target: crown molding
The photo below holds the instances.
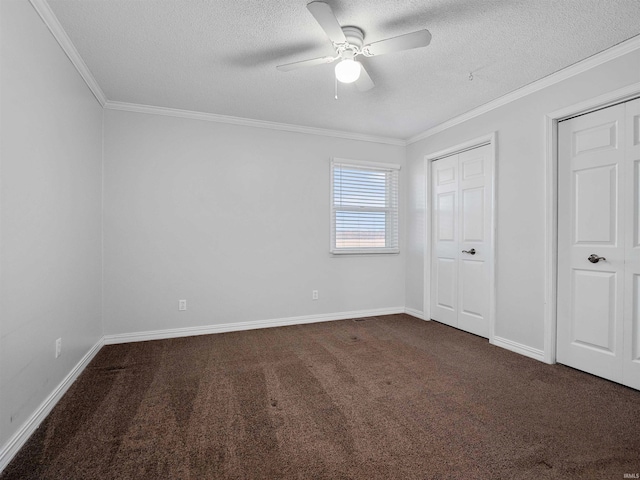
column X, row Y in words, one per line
column 612, row 53
column 49, row 18
column 51, row 21
column 247, row 122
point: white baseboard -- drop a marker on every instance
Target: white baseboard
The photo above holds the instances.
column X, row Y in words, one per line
column 238, row 326
column 415, row 313
column 19, row 438
column 16, row 442
column 519, row 348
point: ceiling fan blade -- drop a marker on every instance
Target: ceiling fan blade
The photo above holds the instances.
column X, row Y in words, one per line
column 364, row 82
column 325, row 17
column 305, row 63
column 421, row 38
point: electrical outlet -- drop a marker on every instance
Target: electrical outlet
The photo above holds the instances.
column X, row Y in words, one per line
column 58, row 347
column 314, row 295
column 182, row 305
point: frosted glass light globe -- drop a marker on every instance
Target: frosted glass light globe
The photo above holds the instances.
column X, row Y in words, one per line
column 348, row 70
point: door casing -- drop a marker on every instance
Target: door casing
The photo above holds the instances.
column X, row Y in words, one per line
column 489, row 139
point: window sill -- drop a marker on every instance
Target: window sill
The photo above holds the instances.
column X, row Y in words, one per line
column 368, row 251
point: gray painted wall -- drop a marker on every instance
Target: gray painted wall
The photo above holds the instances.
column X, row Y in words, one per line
column 50, row 219
column 233, row 219
column 521, row 181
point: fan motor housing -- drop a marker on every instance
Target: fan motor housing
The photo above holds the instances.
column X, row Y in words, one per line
column 355, row 36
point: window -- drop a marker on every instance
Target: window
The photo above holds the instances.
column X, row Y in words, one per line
column 364, row 207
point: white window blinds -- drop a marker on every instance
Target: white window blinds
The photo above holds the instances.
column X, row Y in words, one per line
column 364, row 207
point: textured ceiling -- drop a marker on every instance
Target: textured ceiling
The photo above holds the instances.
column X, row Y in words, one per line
column 219, row 56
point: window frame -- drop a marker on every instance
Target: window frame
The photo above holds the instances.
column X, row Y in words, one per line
column 394, row 209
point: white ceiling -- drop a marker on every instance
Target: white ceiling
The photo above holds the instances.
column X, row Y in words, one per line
column 219, row 56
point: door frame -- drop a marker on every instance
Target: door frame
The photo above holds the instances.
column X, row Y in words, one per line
column 551, row 121
column 488, row 139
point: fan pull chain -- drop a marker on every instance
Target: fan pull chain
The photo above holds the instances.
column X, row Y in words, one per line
column 336, row 87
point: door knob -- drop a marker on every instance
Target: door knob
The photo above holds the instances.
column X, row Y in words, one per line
column 473, row 252
column 593, row 258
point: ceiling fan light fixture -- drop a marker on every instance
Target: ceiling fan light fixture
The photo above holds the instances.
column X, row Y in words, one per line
column 348, row 70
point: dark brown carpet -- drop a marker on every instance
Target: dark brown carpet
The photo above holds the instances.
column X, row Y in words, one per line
column 381, row 398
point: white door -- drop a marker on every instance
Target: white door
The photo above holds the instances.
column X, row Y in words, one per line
column 461, row 240
column 598, row 244
column 444, row 262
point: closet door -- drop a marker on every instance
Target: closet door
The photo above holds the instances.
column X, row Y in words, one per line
column 445, row 251
column 599, row 243
column 591, row 195
column 475, row 241
column 461, row 240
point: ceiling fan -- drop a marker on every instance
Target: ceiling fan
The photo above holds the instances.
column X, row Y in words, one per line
column 349, row 43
